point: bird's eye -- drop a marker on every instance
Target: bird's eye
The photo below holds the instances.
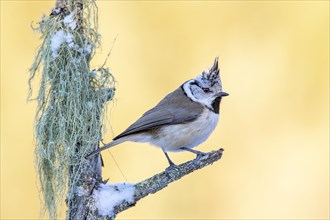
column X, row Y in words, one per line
column 206, row 90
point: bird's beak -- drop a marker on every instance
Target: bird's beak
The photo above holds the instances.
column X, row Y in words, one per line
column 221, row 94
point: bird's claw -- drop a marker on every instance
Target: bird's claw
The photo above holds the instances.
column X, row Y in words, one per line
column 172, row 165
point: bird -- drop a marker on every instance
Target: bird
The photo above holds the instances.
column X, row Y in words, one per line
column 182, row 120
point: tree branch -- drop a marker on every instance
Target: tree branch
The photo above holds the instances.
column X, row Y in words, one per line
column 161, row 180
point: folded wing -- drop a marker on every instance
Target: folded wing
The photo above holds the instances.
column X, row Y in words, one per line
column 175, row 108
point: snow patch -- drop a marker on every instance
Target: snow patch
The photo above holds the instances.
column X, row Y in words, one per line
column 56, row 42
column 88, row 48
column 90, row 105
column 69, row 21
column 69, row 39
column 108, row 196
column 58, row 39
column 94, row 73
column 56, row 11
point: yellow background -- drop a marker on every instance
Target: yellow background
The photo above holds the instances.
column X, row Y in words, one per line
column 274, row 126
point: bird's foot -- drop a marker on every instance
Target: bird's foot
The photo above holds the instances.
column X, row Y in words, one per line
column 198, row 153
column 169, row 161
column 172, row 165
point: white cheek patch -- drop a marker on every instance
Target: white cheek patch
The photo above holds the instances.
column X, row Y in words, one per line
column 207, row 101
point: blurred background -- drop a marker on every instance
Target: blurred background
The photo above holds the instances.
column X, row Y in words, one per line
column 274, row 126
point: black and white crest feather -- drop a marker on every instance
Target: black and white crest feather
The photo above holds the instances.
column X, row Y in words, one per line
column 213, row 74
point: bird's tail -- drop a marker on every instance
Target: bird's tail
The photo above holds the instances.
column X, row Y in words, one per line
column 107, row 146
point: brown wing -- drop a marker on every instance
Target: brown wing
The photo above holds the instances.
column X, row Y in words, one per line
column 175, row 108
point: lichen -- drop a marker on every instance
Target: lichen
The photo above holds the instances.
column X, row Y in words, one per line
column 70, row 99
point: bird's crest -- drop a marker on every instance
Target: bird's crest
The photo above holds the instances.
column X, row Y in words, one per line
column 212, row 75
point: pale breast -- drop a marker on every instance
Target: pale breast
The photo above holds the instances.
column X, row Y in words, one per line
column 189, row 135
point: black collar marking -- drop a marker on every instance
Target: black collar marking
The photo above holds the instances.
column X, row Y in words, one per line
column 216, row 105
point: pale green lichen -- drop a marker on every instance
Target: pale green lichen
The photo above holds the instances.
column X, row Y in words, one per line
column 71, row 99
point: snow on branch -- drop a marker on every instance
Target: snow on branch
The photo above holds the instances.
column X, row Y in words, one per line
column 111, row 199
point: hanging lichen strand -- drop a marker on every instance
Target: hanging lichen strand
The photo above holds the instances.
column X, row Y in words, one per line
column 71, row 97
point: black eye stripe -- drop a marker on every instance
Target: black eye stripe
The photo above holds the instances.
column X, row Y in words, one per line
column 205, row 89
column 196, row 84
